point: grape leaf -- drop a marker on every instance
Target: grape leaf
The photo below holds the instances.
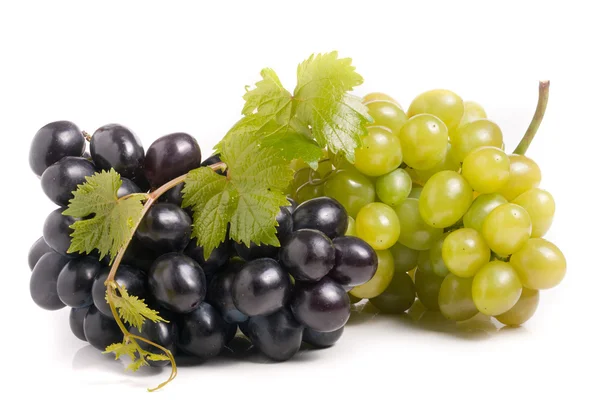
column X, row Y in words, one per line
column 248, row 199
column 294, row 145
column 156, row 357
column 136, row 364
column 269, row 98
column 113, row 219
column 133, row 310
column 122, row 349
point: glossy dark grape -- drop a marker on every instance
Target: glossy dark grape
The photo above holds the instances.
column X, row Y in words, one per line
column 177, row 282
column 215, row 158
column 203, row 333
column 219, row 293
column 308, row 255
column 216, row 260
column 284, row 229
column 261, row 287
column 61, row 179
column 162, row 333
column 127, row 187
column 57, row 233
column 323, row 214
column 53, row 142
column 42, row 283
column 36, row 251
column 323, row 306
column 322, row 339
column 173, row 196
column 139, row 256
column 115, row 146
column 398, row 297
column 76, row 318
column 278, row 335
column 165, row 228
column 355, row 261
column 171, row 156
column 75, row 281
column 100, row 331
column 132, row 279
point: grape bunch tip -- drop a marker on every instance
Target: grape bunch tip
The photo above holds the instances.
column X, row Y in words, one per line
column 161, row 251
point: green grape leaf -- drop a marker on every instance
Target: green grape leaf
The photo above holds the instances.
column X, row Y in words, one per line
column 246, row 201
column 156, row 357
column 337, row 119
column 113, row 219
column 133, row 310
column 294, row 145
column 122, row 349
column 269, row 98
column 136, row 364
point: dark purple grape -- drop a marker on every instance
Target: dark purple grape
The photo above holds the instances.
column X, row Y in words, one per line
column 202, row 332
column 355, row 261
column 323, row 214
column 261, row 287
column 162, row 333
column 53, row 142
column 165, row 228
column 173, row 195
column 398, row 297
column 278, row 335
column 36, row 251
column 57, row 231
column 76, row 318
column 75, row 281
column 42, row 283
column 230, row 333
column 218, row 257
column 308, row 255
column 115, row 146
column 215, row 158
column 284, row 229
column 171, row 156
column 130, row 278
column 127, row 187
column 219, row 293
column 61, row 179
column 323, row 306
column 100, row 331
column 177, row 282
column 139, row 256
column 322, row 339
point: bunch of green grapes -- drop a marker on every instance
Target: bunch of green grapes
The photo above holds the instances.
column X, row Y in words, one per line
column 455, row 220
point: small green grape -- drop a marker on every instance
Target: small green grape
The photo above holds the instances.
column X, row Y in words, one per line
column 380, row 281
column 405, row 259
column 378, row 96
column 455, row 299
column 506, row 229
column 393, row 188
column 424, row 262
column 496, row 288
column 540, row 206
column 415, row 193
column 448, row 163
column 523, row 310
column 473, row 112
column 480, row 208
column 525, row 174
column 475, row 134
column 398, row 297
column 540, row 264
column 427, row 286
column 464, row 252
column 379, row 154
column 424, row 140
column 446, row 197
column 444, row 104
column 378, row 225
column 307, row 191
column 351, row 188
column 415, row 233
column 487, row 169
column 435, row 257
column 351, row 230
column 388, row 114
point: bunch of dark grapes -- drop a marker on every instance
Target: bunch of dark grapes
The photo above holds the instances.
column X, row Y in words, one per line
column 278, row 297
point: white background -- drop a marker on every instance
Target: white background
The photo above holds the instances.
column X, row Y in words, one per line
column 182, row 66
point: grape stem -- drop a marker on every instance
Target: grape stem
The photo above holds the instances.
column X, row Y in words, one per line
column 544, row 91
column 87, row 136
column 112, row 286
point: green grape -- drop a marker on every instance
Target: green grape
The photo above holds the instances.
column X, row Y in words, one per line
column 475, row 134
column 446, row 197
column 523, row 310
column 378, row 96
column 464, row 252
column 496, row 288
column 424, row 262
column 380, row 281
column 506, row 229
column 427, row 286
column 525, row 174
column 540, row 206
column 379, row 154
column 298, row 164
column 473, row 112
column 435, row 257
column 302, row 193
column 444, row 104
column 393, row 188
column 486, row 169
column 405, row 259
column 412, row 273
column 351, row 188
column 448, row 163
column 481, row 207
column 540, row 264
column 398, row 297
column 424, row 140
column 455, row 299
column 415, row 193
column 388, row 114
column 351, row 230
column 415, row 233
column 378, row 225
column 325, row 166
column 354, row 299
